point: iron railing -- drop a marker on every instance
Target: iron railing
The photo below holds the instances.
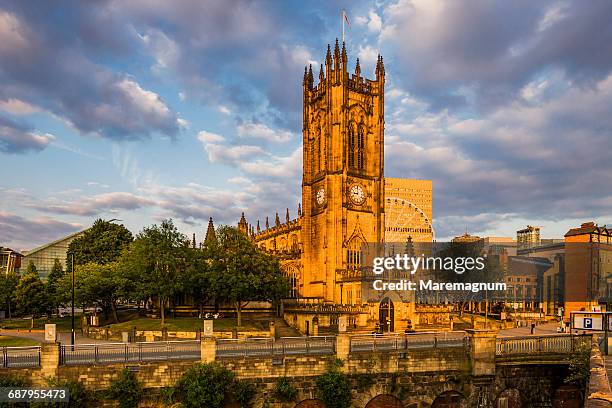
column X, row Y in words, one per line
column 106, row 353
column 423, row 340
column 558, row 344
column 20, row 357
column 286, row 346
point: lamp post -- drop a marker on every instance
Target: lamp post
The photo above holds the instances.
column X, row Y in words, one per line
column 72, row 332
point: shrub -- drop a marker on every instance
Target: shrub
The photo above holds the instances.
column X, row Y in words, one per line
column 204, row 385
column 579, row 368
column 334, row 389
column 80, row 397
column 284, row 390
column 126, row 390
column 365, row 381
column 243, row 392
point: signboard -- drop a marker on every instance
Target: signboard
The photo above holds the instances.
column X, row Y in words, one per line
column 208, row 328
column 587, row 321
column 50, row 333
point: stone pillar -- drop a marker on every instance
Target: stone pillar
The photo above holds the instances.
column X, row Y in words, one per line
column 272, row 330
column 208, row 349
column 482, row 350
column 49, row 359
column 343, row 346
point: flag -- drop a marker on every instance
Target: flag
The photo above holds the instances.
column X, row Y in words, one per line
column 346, row 18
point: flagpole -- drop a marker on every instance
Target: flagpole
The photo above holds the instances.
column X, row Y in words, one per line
column 343, row 25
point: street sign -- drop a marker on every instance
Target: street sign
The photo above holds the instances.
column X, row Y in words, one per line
column 588, row 321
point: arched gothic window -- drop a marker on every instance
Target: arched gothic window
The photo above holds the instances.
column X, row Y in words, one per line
column 353, row 255
column 360, row 148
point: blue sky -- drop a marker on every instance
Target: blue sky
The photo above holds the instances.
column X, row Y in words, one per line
column 150, row 109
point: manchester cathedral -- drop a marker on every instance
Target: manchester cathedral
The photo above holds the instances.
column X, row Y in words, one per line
column 346, row 202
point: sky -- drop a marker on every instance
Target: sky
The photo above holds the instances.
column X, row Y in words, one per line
column 143, row 110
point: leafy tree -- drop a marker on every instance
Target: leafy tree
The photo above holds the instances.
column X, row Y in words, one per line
column 244, row 273
column 205, row 385
column 8, row 286
column 198, row 280
column 54, row 276
column 334, row 389
column 284, row 390
column 102, row 243
column 95, row 284
column 243, row 392
column 30, row 294
column 126, row 389
column 156, row 261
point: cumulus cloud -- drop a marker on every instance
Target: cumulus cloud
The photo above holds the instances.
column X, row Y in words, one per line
column 19, row 138
column 261, row 131
column 42, row 69
column 20, row 232
column 96, row 205
column 453, row 54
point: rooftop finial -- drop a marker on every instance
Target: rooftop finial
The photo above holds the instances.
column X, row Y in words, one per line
column 287, row 216
column 358, row 68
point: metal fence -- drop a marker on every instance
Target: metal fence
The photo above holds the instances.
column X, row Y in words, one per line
column 106, row 353
column 20, row 357
column 286, row 346
column 563, row 343
column 424, row 340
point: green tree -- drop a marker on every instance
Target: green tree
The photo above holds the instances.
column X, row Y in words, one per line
column 102, row 243
column 198, row 280
column 30, row 294
column 156, row 261
column 333, row 388
column 126, row 389
column 8, row 286
column 94, row 284
column 243, row 272
column 205, row 385
column 52, row 281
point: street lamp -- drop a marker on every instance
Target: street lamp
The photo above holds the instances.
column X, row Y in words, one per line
column 72, row 332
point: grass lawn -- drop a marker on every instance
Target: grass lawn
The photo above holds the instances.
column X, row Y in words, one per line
column 188, row 324
column 64, row 324
column 16, row 342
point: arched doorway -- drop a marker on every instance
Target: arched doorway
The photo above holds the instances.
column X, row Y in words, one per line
column 567, row 396
column 384, row 401
column 450, row 399
column 310, row 403
column 509, row 398
column 386, row 315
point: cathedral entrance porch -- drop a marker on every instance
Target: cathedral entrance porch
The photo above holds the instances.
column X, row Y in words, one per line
column 386, row 313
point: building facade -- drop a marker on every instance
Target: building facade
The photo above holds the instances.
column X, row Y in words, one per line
column 44, row 256
column 346, row 203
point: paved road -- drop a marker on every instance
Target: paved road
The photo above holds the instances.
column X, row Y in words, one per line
column 548, row 328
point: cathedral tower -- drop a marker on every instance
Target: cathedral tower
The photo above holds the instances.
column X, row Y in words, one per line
column 343, row 177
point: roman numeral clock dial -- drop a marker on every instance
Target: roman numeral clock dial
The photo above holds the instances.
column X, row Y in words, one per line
column 356, row 194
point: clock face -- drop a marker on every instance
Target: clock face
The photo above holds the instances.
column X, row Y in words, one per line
column 356, row 194
column 320, row 197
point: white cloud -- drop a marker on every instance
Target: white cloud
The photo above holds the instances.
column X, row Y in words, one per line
column 252, row 130
column 17, row 106
column 209, row 137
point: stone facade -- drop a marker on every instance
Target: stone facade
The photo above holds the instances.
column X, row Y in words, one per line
column 345, row 197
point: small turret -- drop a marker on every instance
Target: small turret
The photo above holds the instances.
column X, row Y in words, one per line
column 287, row 216
column 380, row 68
column 258, row 228
column 193, row 241
column 267, row 223
column 277, row 221
column 310, row 78
column 299, row 210
column 321, row 75
column 210, row 236
column 328, row 57
column 358, row 69
column 242, row 225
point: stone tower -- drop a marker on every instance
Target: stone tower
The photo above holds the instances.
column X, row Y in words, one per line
column 342, row 179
